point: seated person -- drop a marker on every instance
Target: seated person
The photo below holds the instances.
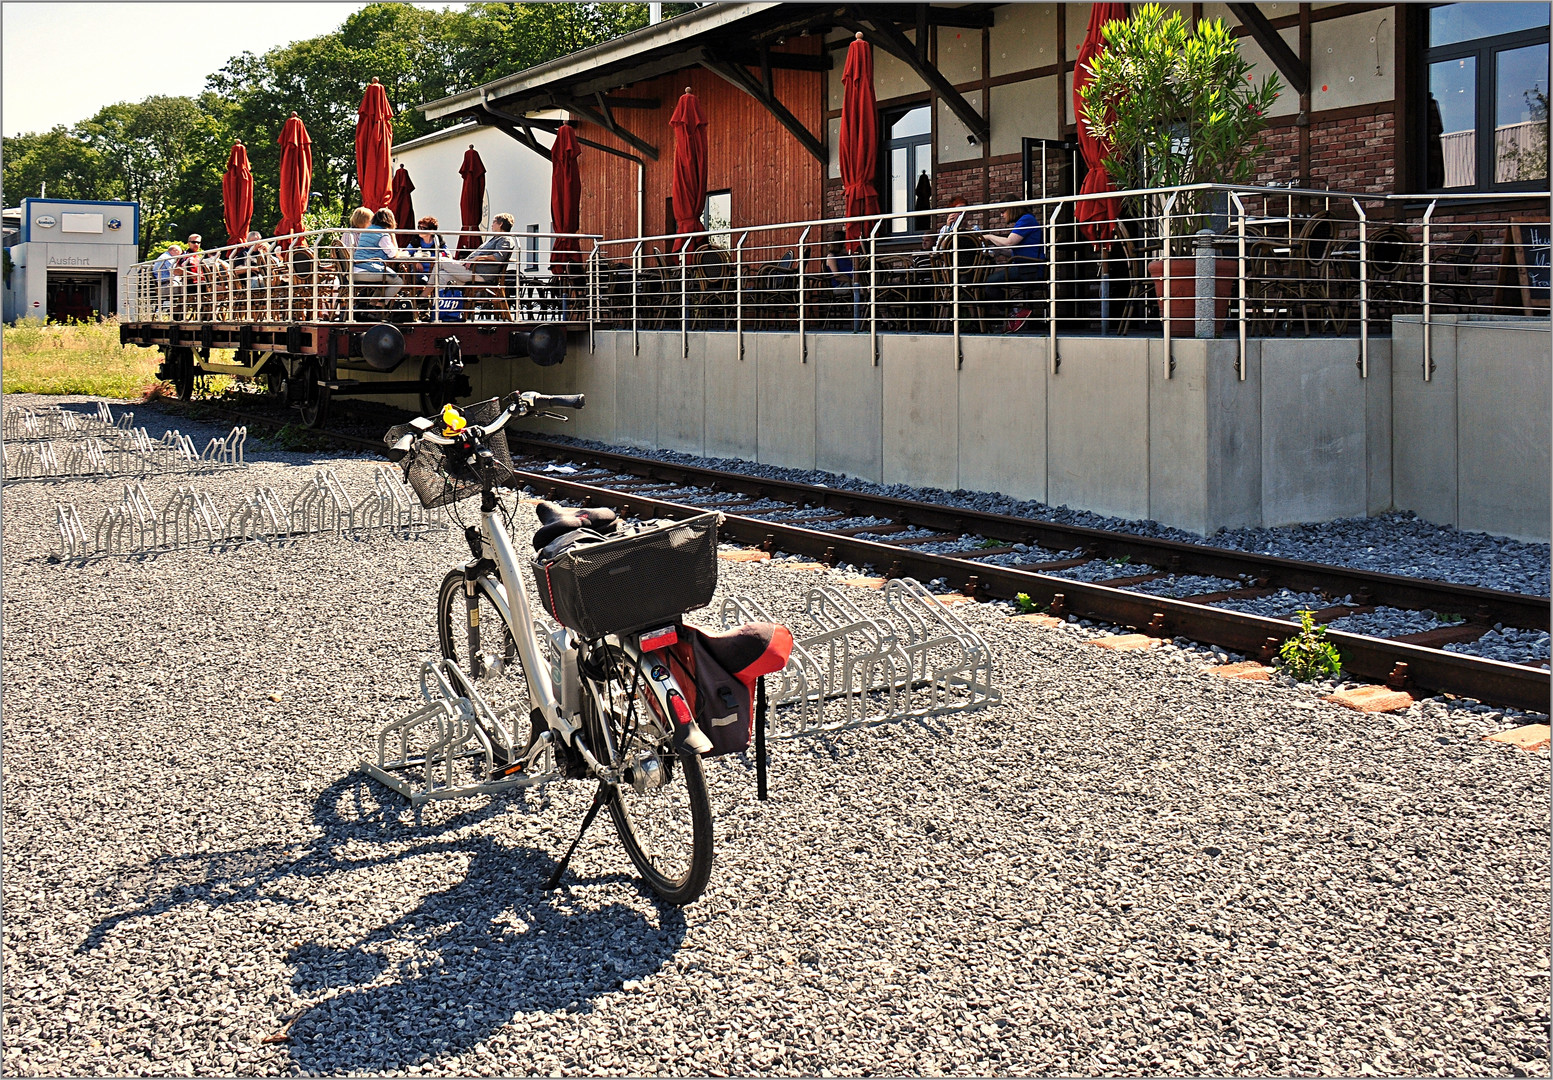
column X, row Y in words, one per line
column 168, row 275
column 425, row 242
column 248, row 259
column 843, row 274
column 361, row 217
column 1023, row 242
column 951, row 225
column 486, row 263
column 373, row 252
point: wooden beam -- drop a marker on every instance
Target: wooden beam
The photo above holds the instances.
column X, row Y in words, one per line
column 782, row 61
column 739, row 77
column 514, row 127
column 520, row 128
column 892, row 41
column 969, row 17
column 1284, row 58
column 587, row 112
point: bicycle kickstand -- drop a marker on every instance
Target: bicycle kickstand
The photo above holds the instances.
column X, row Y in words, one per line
column 599, row 799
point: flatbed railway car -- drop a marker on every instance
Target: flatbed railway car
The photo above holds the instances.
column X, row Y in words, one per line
column 296, row 321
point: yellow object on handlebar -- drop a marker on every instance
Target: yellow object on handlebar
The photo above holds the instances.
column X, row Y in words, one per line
column 452, row 421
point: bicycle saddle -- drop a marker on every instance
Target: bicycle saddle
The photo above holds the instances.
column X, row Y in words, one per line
column 555, row 521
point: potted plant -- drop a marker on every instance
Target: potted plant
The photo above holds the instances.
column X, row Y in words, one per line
column 1178, row 106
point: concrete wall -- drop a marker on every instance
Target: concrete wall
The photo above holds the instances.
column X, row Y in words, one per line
column 1471, row 445
column 1116, row 430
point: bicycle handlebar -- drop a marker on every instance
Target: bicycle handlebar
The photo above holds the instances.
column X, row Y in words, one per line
column 553, row 401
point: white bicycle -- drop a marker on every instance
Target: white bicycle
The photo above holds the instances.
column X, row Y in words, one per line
column 604, row 706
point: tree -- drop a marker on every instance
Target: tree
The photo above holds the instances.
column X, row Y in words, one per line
column 71, row 168
column 152, row 148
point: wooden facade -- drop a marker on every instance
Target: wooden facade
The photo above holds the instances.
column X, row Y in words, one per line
column 768, row 173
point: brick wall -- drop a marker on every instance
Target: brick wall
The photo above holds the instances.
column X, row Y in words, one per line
column 1279, row 161
column 1354, row 153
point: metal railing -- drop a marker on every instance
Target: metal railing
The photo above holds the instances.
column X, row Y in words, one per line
column 1278, row 262
column 1245, row 262
column 315, row 276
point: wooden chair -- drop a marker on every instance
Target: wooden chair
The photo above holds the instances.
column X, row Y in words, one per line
column 1451, row 276
column 1394, row 260
column 1132, row 292
column 498, row 290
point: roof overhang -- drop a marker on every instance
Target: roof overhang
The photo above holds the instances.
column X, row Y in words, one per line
column 617, row 62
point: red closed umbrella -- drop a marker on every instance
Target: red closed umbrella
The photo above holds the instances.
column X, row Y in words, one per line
column 296, row 175
column 237, row 194
column 859, row 136
column 689, row 124
column 1096, row 217
column 401, row 206
column 374, row 146
column 471, row 200
column 565, row 199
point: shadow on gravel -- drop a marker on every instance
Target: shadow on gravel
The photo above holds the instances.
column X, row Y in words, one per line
column 448, row 973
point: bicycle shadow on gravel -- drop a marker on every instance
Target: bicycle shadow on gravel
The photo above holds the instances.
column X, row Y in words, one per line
column 449, row 972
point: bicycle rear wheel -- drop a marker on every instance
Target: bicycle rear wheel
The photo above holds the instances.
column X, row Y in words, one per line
column 660, row 806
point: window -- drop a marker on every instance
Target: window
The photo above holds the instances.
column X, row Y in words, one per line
column 1487, row 111
column 531, row 248
column 719, row 217
column 716, row 217
column 909, row 142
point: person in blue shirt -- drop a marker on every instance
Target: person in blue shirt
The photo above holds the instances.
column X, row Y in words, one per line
column 372, row 254
column 1023, row 242
column 843, row 275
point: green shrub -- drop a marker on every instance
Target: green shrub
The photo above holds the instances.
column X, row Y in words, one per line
column 1308, row 654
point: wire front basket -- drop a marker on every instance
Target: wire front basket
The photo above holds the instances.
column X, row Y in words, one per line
column 439, row 478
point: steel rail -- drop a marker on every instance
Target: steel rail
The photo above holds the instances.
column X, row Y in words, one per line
column 1396, row 663
column 1173, row 556
column 1400, row 664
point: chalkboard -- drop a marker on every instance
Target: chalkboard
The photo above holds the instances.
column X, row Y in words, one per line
column 1524, row 266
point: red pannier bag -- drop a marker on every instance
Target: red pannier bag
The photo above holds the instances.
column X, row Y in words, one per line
column 721, row 674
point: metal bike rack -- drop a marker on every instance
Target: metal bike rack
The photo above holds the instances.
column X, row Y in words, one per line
column 320, row 507
column 918, row 660
column 114, row 450
column 446, row 748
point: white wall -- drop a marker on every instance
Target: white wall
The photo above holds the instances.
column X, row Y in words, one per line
column 517, row 180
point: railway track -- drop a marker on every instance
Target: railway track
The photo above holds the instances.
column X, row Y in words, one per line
column 1416, row 662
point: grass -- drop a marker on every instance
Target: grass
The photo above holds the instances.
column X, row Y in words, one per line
column 78, row 358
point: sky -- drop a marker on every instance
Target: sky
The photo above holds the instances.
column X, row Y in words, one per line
column 64, row 61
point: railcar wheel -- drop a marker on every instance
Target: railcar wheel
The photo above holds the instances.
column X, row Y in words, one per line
column 436, row 388
column 183, row 374
column 315, row 402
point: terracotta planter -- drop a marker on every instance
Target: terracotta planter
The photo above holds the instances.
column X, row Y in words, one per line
column 1183, row 292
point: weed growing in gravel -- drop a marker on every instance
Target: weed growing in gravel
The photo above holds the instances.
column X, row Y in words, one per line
column 988, row 542
column 300, row 438
column 1121, row 560
column 1025, row 605
column 1308, row 654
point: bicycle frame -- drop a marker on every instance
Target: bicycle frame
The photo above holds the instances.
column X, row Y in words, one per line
column 560, row 705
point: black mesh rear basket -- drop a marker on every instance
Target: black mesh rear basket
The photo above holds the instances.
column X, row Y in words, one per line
column 634, row 582
column 439, row 479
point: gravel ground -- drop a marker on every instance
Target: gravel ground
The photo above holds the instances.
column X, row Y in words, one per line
column 1397, row 543
column 1127, row 867
column 1508, row 644
column 1283, row 604
column 1389, row 622
column 1104, row 570
column 1188, row 585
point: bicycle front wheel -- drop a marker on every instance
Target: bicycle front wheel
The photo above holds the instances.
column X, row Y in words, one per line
column 492, row 664
column 660, row 806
